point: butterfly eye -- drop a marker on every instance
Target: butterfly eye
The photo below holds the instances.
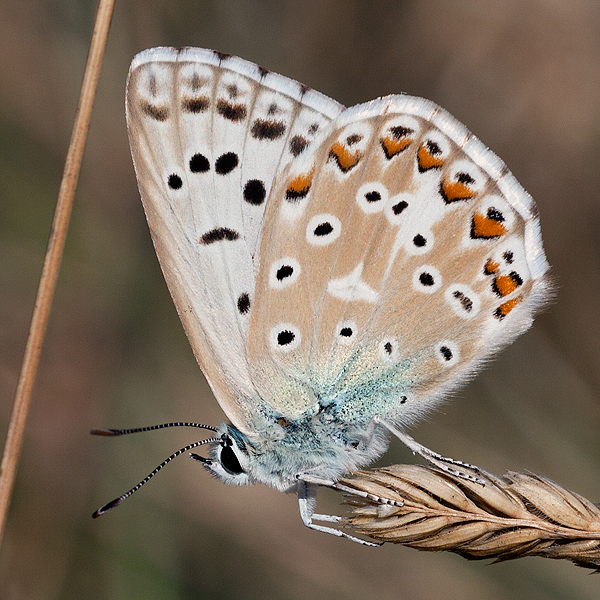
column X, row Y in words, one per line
column 323, row 229
column 230, row 461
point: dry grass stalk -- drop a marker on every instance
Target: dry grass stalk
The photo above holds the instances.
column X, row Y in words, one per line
column 519, row 514
column 52, row 260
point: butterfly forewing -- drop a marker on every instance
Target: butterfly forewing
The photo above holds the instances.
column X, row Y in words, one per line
column 410, row 254
column 208, row 134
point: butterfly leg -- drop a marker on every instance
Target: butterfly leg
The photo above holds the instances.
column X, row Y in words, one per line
column 449, row 465
column 307, row 499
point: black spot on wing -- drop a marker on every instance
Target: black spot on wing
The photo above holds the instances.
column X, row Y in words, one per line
column 226, row 163
column 426, row 279
column 174, row 181
column 285, row 337
column 195, row 105
column 464, row 300
column 446, row 353
column 284, row 272
column 323, row 229
column 465, row 178
column 199, row 163
column 398, row 208
column 400, row 131
column 231, row 111
column 158, row 113
column 219, row 234
column 255, row 192
column 419, row 241
column 495, row 214
column 293, row 195
column 297, row 145
column 267, row 130
column 243, row 303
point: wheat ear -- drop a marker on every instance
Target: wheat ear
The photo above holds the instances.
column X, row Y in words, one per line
column 518, row 514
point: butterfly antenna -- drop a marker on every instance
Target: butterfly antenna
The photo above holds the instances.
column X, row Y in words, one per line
column 120, row 499
column 151, row 428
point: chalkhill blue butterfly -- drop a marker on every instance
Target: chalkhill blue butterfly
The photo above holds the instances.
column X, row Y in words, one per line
column 337, row 270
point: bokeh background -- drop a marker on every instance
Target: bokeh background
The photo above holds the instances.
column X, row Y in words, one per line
column 524, row 76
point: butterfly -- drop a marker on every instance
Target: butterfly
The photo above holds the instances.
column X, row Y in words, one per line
column 337, row 270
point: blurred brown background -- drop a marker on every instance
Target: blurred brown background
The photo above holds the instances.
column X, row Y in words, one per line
column 522, row 75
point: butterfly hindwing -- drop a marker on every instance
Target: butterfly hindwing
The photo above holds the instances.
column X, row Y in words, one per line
column 410, row 256
column 208, row 133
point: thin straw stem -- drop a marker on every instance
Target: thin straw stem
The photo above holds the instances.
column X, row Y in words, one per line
column 52, row 260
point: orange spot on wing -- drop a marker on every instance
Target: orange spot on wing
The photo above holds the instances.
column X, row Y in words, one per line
column 484, row 227
column 456, row 190
column 505, row 285
column 392, row 146
column 345, row 159
column 506, row 307
column 491, row 267
column 299, row 186
column 427, row 160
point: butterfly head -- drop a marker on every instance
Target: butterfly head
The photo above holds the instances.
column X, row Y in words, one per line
column 230, row 460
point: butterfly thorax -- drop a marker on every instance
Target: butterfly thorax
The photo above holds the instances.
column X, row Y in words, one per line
column 320, row 445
